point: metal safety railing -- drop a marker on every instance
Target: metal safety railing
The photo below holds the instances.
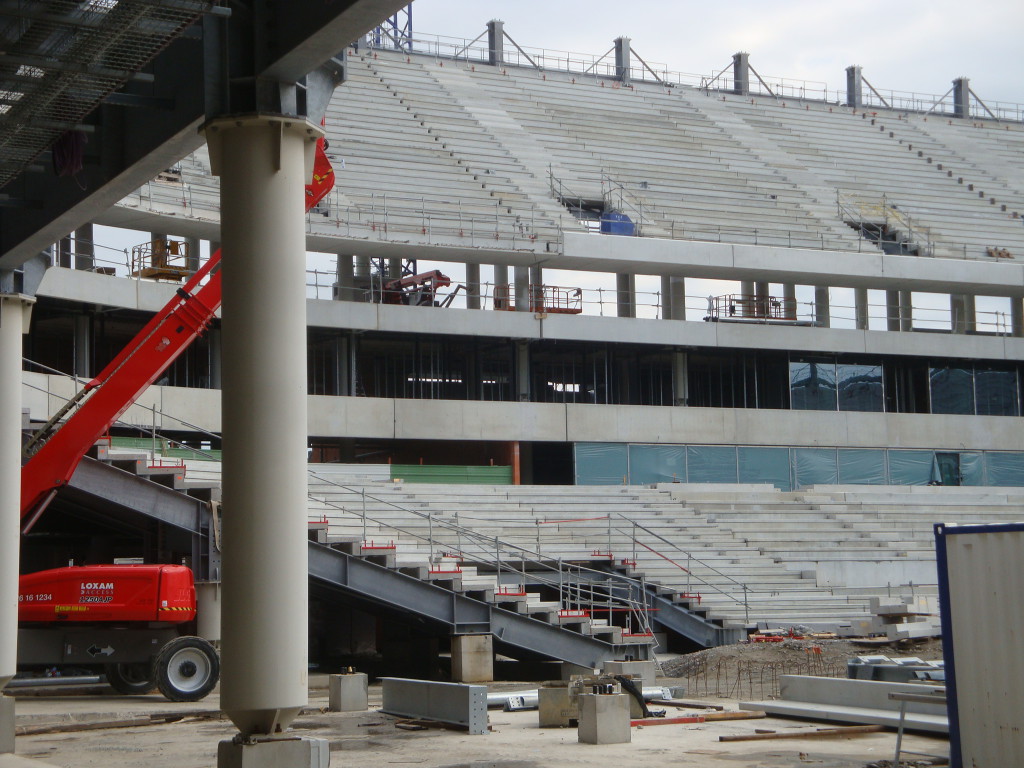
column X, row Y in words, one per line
column 738, row 306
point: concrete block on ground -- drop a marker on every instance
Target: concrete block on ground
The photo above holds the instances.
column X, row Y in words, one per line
column 275, row 753
column 347, row 693
column 472, row 658
column 6, row 725
column 604, row 718
column 556, row 709
column 855, row 693
column 644, row 673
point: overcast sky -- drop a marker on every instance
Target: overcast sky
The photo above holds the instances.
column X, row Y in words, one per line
column 903, row 45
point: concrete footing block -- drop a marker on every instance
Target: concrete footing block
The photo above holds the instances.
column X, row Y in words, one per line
column 6, row 725
column 604, row 718
column 472, row 658
column 275, row 753
column 347, row 693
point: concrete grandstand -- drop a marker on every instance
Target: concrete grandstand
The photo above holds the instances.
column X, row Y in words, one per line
column 772, row 454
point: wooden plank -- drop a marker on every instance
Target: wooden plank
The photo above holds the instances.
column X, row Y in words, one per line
column 821, row 733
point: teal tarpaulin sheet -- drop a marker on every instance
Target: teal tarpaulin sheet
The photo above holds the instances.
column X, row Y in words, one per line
column 814, row 466
column 765, row 465
column 862, row 466
column 710, row 464
column 1005, row 468
column 911, row 467
column 657, row 464
column 601, row 463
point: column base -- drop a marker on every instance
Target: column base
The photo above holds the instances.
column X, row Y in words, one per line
column 604, row 719
column 348, row 692
column 274, row 753
column 6, row 725
column 472, row 659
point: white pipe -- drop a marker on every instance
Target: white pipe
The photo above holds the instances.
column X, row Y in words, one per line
column 14, row 312
column 262, row 164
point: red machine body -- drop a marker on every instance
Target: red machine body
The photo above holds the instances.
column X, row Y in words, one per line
column 108, row 593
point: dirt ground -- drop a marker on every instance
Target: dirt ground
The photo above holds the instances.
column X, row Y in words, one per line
column 159, row 734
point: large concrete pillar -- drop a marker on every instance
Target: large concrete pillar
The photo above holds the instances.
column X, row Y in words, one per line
column 860, row 308
column 677, row 286
column 65, row 253
column 1017, row 316
column 85, row 247
column 854, row 87
column 906, row 311
column 680, row 378
column 264, row 162
column 495, row 42
column 500, row 288
column 473, row 286
column 666, row 297
column 193, row 248
column 741, row 73
column 523, row 371
column 213, row 339
column 83, row 346
column 472, row 659
column 537, row 288
column 892, row 310
column 970, row 313
column 623, row 59
column 789, row 300
column 822, row 310
column 522, row 275
column 961, row 97
column 625, row 295
column 957, row 314
column 345, row 276
column 761, row 296
column 14, row 315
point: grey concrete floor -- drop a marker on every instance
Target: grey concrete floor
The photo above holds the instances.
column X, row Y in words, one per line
column 370, row 739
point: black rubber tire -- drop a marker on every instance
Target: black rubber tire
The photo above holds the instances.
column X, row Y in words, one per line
column 131, row 679
column 186, row 669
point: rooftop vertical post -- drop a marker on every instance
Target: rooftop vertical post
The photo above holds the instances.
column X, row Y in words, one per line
column 961, row 97
column 741, row 73
column 854, row 87
column 623, row 59
column 495, row 42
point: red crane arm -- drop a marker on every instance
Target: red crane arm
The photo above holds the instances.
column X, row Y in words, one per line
column 138, row 365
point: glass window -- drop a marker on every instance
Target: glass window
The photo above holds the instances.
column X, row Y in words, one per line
column 996, row 392
column 812, row 385
column 859, row 387
column 952, row 389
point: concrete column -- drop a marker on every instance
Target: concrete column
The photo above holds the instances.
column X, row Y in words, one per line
column 680, row 378
column 7, row 725
column 906, row 311
column 85, row 247
column 789, row 299
column 747, row 292
column 741, row 73
column 625, row 295
column 666, row 297
column 394, row 269
column 1017, row 316
column 499, row 292
column 158, row 255
column 957, row 314
column 523, row 371
column 860, row 310
column 822, row 312
column 83, row 347
column 892, row 310
column 214, row 340
column 961, row 97
column 472, row 659
column 761, row 296
column 65, row 249
column 264, row 163
column 537, row 288
column 473, row 286
column 363, row 278
column 495, row 42
column 970, row 314
column 193, row 247
column 346, row 282
column 623, row 61
column 345, row 366
column 522, row 289
column 854, row 87
column 678, row 290
column 14, row 315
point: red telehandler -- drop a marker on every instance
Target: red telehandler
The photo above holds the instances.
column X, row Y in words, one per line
column 125, row 621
